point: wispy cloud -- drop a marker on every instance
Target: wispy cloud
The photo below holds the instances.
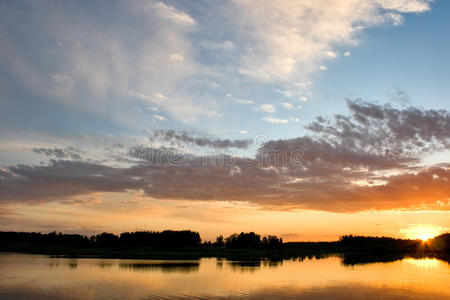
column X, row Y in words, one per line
column 60, row 153
column 158, row 117
column 170, row 13
column 92, row 62
column 287, row 105
column 292, row 38
column 268, row 108
column 275, row 120
column 238, row 100
column 95, row 75
column 183, row 137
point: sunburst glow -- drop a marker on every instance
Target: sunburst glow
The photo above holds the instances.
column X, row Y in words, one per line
column 422, row 232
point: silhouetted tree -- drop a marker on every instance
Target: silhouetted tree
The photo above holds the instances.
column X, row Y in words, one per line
column 105, row 239
column 379, row 244
column 441, row 243
column 243, row 240
column 167, row 238
column 271, row 241
column 220, row 241
column 252, row 240
column 52, row 238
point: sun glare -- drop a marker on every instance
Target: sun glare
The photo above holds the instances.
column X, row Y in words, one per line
column 422, row 232
column 425, row 237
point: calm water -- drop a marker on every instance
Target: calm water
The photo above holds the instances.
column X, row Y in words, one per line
column 41, row 277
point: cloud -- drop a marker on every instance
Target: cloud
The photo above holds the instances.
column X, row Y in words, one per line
column 94, row 63
column 177, row 138
column 68, row 152
column 399, row 96
column 90, row 63
column 406, row 6
column 222, row 45
column 60, row 180
column 384, row 136
column 322, row 68
column 238, row 100
column 171, row 13
column 269, row 108
column 176, row 57
column 287, row 105
column 331, row 54
column 275, row 120
column 290, row 39
column 181, row 109
column 367, row 159
column 158, row 117
column 347, row 53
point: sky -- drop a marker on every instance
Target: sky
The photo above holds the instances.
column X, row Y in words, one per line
column 306, row 119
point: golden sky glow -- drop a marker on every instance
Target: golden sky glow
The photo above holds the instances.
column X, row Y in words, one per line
column 423, row 232
column 118, row 212
column 296, row 118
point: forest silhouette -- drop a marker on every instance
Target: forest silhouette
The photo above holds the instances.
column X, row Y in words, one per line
column 187, row 244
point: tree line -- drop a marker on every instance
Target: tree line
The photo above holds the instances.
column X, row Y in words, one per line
column 438, row 244
column 243, row 240
column 248, row 240
column 166, row 238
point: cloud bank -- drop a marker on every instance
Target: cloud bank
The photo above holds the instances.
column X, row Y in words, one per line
column 367, row 159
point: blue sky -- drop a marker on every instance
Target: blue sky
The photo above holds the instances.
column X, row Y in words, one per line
column 87, row 86
column 387, row 57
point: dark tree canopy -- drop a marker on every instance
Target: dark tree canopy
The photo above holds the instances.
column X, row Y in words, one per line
column 167, row 238
column 252, row 240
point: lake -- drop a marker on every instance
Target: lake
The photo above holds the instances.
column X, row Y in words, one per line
column 38, row 277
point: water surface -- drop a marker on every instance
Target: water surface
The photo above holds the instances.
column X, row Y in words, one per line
column 42, row 277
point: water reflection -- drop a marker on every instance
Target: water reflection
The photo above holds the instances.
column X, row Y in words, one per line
column 253, row 265
column 165, row 267
column 41, row 277
column 69, row 264
column 335, row 292
column 362, row 259
column 424, row 263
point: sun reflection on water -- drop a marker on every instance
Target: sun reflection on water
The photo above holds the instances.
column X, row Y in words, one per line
column 426, row 263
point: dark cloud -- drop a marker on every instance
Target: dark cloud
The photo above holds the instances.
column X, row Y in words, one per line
column 366, row 160
column 239, row 182
column 61, row 179
column 184, row 137
column 399, row 96
column 387, row 131
column 68, row 152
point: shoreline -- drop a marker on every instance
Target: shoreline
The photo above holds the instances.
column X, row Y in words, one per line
column 348, row 257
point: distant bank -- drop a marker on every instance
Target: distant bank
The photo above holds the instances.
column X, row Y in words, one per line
column 186, row 244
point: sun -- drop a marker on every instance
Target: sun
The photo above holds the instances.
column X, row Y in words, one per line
column 425, row 237
column 422, row 232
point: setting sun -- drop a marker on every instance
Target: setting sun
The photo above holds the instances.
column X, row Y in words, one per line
column 424, row 237
column 422, row 232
